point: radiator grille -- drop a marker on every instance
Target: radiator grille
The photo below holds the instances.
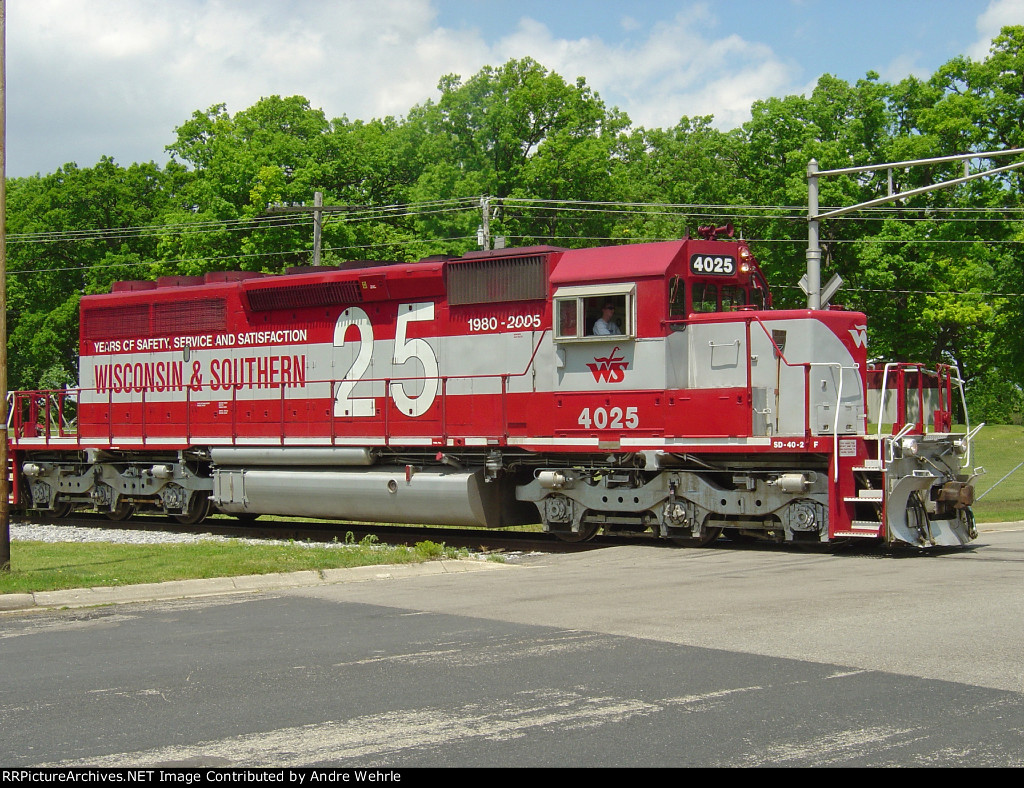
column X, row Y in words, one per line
column 190, row 317
column 486, row 281
column 115, row 321
column 262, row 299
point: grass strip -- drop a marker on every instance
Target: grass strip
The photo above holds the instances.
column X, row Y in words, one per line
column 999, row 448
column 47, row 566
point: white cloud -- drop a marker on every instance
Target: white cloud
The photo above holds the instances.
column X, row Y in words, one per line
column 117, row 76
column 999, row 14
column 629, row 24
column 674, row 71
column 904, row 65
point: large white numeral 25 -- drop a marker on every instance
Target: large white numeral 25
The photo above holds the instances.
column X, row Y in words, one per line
column 345, row 405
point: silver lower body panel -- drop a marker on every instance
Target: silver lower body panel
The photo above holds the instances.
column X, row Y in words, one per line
column 448, row 497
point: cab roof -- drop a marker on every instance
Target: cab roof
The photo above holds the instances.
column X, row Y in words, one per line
column 616, row 262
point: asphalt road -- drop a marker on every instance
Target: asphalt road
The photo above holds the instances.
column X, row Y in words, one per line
column 629, row 657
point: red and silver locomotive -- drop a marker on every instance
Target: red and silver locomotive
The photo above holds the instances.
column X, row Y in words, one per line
column 646, row 387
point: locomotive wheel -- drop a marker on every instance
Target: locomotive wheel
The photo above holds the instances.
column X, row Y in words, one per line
column 61, row 510
column 587, row 532
column 198, row 508
column 123, row 511
column 707, row 537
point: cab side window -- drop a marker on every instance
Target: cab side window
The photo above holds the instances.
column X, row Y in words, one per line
column 593, row 312
column 567, row 325
column 605, row 316
column 705, row 297
column 677, row 297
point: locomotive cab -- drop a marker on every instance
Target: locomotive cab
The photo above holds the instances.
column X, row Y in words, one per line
column 620, row 316
column 717, row 283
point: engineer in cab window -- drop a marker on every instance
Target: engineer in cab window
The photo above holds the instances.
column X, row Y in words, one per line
column 606, row 325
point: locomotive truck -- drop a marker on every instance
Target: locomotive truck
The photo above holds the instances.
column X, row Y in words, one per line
column 474, row 391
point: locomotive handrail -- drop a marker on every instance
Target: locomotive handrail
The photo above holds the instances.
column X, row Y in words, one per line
column 891, row 441
column 904, row 428
column 839, row 402
column 47, row 412
column 901, row 367
column 968, row 438
column 967, row 441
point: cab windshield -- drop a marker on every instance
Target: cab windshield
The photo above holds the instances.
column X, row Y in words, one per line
column 705, row 297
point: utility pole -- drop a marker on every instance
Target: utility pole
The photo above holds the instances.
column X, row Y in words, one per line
column 484, row 235
column 812, row 286
column 318, row 210
column 5, row 511
column 811, row 281
column 318, row 217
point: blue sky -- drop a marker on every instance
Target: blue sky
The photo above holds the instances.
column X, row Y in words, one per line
column 115, row 77
column 835, row 36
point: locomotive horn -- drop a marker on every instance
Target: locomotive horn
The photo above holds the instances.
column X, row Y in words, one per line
column 710, row 233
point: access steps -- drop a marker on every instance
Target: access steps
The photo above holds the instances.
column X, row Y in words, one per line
column 868, row 521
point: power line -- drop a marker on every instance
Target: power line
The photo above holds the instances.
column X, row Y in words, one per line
column 258, row 222
column 97, row 266
column 557, row 208
column 464, row 204
column 764, row 241
column 134, row 233
column 888, row 290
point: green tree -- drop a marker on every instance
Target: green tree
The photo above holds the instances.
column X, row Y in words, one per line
column 240, row 165
column 672, row 170
column 514, row 131
column 71, row 232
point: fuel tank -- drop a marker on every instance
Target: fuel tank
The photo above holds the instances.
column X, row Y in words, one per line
column 382, row 494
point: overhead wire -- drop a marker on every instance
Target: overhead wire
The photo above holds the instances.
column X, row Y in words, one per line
column 273, row 220
column 252, row 255
column 556, row 208
column 278, row 220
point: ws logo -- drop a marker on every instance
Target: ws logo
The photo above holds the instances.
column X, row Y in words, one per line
column 611, row 369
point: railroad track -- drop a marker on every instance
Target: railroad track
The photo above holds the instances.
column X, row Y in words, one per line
column 478, row 540
column 279, row 528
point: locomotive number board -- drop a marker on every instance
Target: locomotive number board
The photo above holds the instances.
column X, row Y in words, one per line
column 714, row 265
